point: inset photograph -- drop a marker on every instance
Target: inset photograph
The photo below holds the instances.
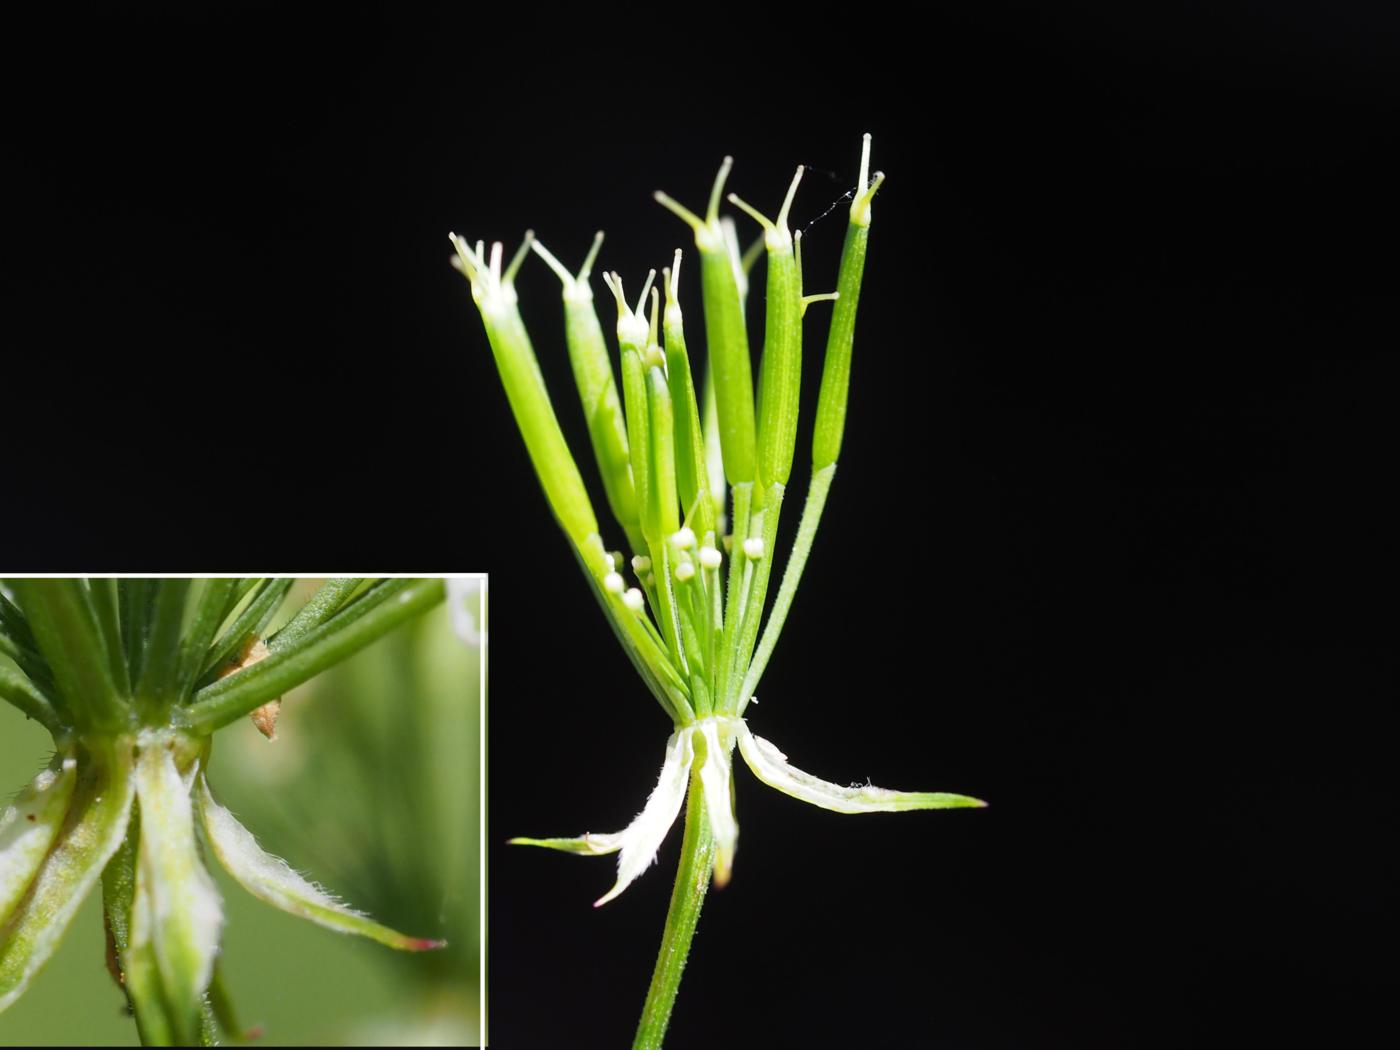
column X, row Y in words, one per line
column 246, row 808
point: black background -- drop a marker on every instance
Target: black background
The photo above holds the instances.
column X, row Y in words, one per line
column 1105, row 548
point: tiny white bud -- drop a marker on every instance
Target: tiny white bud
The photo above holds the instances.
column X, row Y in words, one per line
column 753, row 547
column 610, row 562
column 685, row 570
column 613, row 582
column 640, row 564
column 684, row 538
column 633, row 599
column 709, row 558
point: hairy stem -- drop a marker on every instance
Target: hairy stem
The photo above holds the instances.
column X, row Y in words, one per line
column 692, row 880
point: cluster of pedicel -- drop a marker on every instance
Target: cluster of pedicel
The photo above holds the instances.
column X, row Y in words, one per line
column 695, row 476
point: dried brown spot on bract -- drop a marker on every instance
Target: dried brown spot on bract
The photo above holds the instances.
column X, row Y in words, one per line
column 113, row 958
column 265, row 717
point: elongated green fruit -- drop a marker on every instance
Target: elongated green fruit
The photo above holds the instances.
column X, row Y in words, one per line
column 624, row 608
column 725, row 335
column 831, row 418
column 692, row 476
column 662, row 512
column 780, row 376
column 494, row 294
column 662, row 503
column 728, row 343
column 714, row 455
column 650, row 430
column 632, row 345
column 634, row 393
column 597, row 390
column 836, row 369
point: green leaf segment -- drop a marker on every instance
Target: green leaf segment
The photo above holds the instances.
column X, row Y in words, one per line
column 132, row 677
column 691, row 616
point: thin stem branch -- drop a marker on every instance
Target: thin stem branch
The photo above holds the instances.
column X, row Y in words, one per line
column 792, row 576
column 692, row 880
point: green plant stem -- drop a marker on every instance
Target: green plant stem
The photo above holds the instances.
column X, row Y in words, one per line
column 792, row 576
column 692, row 880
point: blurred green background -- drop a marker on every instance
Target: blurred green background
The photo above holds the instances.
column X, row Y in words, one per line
column 370, row 789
